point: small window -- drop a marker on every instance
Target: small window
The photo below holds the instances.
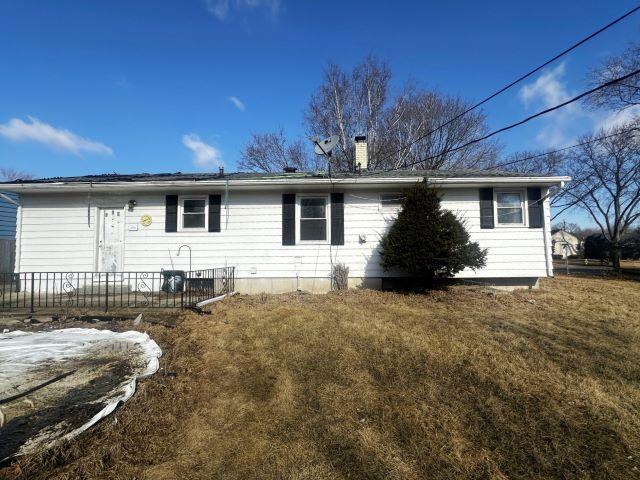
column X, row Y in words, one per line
column 194, row 213
column 391, row 202
column 313, row 218
column 510, row 208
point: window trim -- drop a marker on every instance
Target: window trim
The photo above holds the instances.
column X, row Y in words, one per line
column 387, row 208
column 327, row 217
column 181, row 200
column 523, row 207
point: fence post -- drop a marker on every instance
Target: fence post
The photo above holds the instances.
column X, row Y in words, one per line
column 32, row 293
column 106, row 295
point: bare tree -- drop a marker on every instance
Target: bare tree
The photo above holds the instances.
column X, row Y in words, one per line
column 606, row 183
column 620, row 95
column 269, row 152
column 350, row 104
column 9, row 175
column 550, row 163
column 572, row 228
column 413, row 137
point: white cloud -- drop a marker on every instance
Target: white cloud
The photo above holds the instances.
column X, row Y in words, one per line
column 204, row 155
column 34, row 130
column 122, row 81
column 237, row 102
column 221, row 8
column 548, row 90
column 619, row 118
column 565, row 126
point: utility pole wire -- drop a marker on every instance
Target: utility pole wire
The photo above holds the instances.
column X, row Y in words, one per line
column 521, row 122
column 551, row 152
column 515, row 82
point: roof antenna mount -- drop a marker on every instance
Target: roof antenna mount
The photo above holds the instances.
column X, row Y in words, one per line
column 324, row 147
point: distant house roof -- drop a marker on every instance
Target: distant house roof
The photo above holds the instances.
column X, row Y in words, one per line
column 179, row 179
column 563, row 235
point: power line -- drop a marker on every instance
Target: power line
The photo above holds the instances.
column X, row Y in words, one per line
column 518, row 80
column 551, row 152
column 521, row 122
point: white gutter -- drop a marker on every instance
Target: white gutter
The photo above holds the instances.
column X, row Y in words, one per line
column 367, row 180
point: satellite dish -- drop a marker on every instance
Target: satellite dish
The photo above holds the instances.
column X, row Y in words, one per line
column 324, row 147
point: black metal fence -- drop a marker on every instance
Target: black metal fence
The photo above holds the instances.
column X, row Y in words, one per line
column 110, row 290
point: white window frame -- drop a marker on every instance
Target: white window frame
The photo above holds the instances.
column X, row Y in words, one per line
column 523, row 205
column 388, row 208
column 181, row 226
column 327, row 199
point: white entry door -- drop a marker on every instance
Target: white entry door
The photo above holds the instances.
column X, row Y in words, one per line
column 111, row 239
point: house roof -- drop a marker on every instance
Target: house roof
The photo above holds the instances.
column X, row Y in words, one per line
column 179, row 179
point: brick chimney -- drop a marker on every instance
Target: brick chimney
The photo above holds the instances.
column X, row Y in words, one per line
column 362, row 155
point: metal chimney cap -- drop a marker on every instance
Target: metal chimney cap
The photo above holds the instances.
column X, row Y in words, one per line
column 360, row 138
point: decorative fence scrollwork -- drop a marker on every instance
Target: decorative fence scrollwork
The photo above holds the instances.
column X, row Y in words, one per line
column 143, row 288
column 68, row 289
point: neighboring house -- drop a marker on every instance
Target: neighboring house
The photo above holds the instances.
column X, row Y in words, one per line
column 8, row 211
column 565, row 244
column 282, row 232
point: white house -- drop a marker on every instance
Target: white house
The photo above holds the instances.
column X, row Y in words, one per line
column 565, row 244
column 281, row 231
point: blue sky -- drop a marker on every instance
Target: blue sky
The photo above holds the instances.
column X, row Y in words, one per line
column 179, row 85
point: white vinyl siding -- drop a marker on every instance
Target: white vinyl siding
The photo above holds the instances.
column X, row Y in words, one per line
column 59, row 234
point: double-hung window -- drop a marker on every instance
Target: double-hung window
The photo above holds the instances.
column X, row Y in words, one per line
column 194, row 213
column 313, row 218
column 510, row 208
column 391, row 202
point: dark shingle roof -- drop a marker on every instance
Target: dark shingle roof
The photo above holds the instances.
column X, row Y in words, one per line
column 195, row 177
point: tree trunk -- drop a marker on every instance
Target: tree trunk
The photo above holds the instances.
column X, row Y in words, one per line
column 615, row 255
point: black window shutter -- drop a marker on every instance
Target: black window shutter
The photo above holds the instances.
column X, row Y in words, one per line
column 337, row 219
column 288, row 219
column 486, row 208
column 171, row 213
column 214, row 212
column 534, row 196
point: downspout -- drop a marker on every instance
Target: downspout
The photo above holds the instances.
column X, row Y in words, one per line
column 545, row 234
column 16, row 264
column 226, row 204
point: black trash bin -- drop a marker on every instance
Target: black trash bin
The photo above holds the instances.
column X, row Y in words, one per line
column 173, row 281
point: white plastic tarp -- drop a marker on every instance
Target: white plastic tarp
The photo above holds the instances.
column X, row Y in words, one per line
column 99, row 369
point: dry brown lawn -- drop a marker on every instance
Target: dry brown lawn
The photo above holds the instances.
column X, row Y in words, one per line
column 456, row 384
column 630, row 265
